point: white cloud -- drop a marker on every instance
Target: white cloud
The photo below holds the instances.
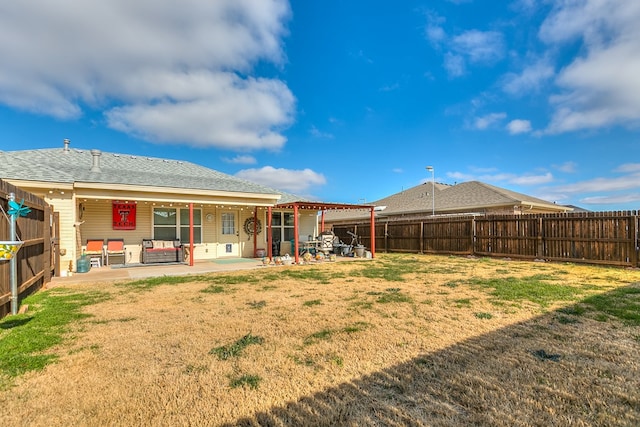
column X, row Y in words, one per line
column 471, row 46
column 489, row 120
column 295, row 181
column 532, row 179
column 601, row 190
column 241, row 160
column 434, row 31
column 518, row 126
column 454, row 64
column 567, row 167
column 319, row 134
column 479, row 46
column 628, row 168
column 165, row 71
column 600, row 88
column 600, row 185
column 531, row 79
column 616, row 199
column 503, row 177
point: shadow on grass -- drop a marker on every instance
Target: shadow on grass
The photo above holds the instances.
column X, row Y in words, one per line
column 545, row 371
column 14, row 323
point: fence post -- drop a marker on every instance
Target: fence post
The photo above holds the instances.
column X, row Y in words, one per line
column 421, row 237
column 13, row 262
column 634, row 251
column 473, row 236
column 386, row 237
column 540, row 250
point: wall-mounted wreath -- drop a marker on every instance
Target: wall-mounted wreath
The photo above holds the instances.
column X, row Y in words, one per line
column 248, row 226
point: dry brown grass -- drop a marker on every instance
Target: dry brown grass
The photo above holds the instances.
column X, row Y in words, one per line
column 354, row 351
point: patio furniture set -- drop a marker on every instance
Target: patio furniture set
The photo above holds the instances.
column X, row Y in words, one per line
column 153, row 251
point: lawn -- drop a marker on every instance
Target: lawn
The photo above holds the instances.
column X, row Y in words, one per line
column 398, row 340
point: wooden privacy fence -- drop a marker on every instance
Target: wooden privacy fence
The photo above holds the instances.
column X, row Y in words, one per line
column 608, row 238
column 38, row 259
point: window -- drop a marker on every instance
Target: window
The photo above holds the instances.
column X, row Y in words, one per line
column 282, row 226
column 171, row 223
column 228, row 223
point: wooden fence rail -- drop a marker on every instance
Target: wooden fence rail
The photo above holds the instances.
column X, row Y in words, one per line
column 37, row 259
column 608, row 238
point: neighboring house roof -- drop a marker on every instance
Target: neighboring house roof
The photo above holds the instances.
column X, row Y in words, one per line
column 69, row 166
column 472, row 196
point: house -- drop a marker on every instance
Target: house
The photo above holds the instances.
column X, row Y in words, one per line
column 430, row 198
column 101, row 195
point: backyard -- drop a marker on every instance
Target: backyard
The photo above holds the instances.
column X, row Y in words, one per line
column 398, row 340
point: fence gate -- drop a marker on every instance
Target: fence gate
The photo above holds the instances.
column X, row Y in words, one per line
column 38, row 258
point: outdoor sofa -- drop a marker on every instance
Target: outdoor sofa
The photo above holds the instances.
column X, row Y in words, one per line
column 157, row 251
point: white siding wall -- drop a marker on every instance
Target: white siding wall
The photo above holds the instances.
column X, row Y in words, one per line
column 64, row 204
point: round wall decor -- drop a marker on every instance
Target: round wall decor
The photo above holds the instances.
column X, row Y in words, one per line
column 248, row 226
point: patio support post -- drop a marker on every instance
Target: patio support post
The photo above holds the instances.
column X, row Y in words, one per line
column 373, row 234
column 295, row 233
column 191, row 234
column 269, row 235
column 255, row 231
column 322, row 222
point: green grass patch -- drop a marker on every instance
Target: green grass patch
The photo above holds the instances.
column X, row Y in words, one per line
column 574, row 310
column 153, row 282
column 235, row 349
column 453, row 283
column 214, row 289
column 252, row 381
column 621, row 303
column 324, row 334
column 311, row 303
column 483, row 315
column 309, row 273
column 463, row 302
column 366, row 305
column 356, row 327
column 539, row 289
column 240, row 279
column 393, row 273
column 25, row 338
column 393, row 295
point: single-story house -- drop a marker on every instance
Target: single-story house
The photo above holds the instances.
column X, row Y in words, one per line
column 102, row 195
column 431, row 198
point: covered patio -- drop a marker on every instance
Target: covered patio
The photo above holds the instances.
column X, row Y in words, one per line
column 318, row 207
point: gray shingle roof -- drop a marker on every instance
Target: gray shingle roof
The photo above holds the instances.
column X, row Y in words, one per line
column 466, row 196
column 74, row 165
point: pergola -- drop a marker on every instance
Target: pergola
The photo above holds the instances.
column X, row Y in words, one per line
column 316, row 206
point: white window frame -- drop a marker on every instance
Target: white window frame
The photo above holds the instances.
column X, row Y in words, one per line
column 197, row 228
column 228, row 223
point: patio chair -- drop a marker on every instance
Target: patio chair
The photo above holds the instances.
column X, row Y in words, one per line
column 95, row 249
column 116, row 247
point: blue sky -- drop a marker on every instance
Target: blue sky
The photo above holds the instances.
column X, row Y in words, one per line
column 342, row 101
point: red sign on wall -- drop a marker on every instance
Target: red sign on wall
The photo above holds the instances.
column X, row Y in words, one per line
column 124, row 216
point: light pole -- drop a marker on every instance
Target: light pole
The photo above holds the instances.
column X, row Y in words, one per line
column 433, row 189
